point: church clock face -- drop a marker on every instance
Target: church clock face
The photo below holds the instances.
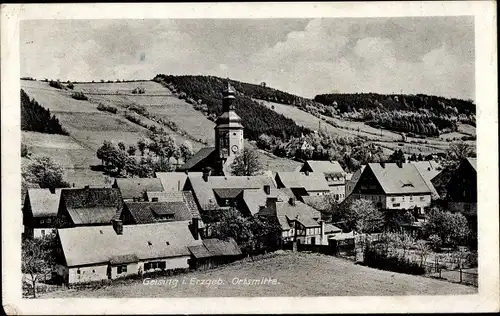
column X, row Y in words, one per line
column 234, row 148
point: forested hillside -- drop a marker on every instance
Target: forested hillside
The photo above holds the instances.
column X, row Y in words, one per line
column 417, row 114
column 35, row 118
column 205, row 92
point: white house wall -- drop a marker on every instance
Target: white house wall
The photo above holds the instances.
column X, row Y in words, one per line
column 87, row 274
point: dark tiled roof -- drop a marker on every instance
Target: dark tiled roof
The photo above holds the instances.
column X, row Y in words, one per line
column 91, row 197
column 197, row 158
column 177, row 196
column 147, row 212
column 200, row 251
column 91, row 205
column 135, row 187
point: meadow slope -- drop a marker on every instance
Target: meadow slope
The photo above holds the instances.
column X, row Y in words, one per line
column 297, row 274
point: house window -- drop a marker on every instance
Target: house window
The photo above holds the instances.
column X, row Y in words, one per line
column 43, row 232
column 393, row 199
column 122, row 269
column 78, row 271
column 396, row 205
column 411, row 197
column 155, row 199
column 422, row 198
column 48, row 220
column 42, row 221
column 155, row 265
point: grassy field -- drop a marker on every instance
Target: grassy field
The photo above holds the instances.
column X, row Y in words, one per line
column 89, row 127
column 296, row 274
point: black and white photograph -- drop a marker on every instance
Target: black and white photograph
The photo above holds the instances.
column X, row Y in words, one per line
column 252, row 156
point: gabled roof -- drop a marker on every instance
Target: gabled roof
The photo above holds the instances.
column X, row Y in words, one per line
column 255, row 198
column 399, row 180
column 43, row 202
column 204, row 190
column 99, row 244
column 356, row 175
column 91, row 197
column 313, row 181
column 329, row 228
column 215, row 248
column 173, row 181
column 148, row 212
column 176, row 196
column 93, row 215
column 299, row 212
column 91, row 205
column 428, row 170
column 473, row 162
column 325, row 166
column 201, row 155
column 135, row 187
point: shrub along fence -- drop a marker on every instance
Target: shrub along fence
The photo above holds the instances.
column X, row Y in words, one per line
column 375, row 257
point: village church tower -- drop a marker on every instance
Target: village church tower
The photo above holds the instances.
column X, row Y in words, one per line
column 228, row 131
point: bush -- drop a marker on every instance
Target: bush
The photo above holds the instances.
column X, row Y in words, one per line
column 377, row 258
column 56, row 84
column 79, row 96
column 139, row 91
column 111, row 109
column 139, row 110
column 24, row 150
column 70, row 85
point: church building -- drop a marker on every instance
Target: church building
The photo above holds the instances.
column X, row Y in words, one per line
column 228, row 141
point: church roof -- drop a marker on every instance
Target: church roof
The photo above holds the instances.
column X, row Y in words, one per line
column 201, row 155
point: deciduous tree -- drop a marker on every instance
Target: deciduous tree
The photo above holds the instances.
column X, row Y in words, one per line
column 45, row 172
column 246, row 163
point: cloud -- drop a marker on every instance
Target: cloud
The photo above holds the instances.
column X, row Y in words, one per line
column 305, row 57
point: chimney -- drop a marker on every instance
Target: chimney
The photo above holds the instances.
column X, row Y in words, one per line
column 382, row 164
column 206, row 174
column 73, row 185
column 117, row 226
column 87, row 186
column 52, row 190
column 291, row 201
column 267, row 189
column 399, row 164
column 186, row 171
column 194, row 226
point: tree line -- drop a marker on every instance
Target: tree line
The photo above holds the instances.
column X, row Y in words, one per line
column 36, row 118
column 419, row 114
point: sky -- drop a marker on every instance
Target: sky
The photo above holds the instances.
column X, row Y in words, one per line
column 430, row 55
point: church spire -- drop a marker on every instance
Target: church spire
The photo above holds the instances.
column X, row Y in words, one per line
column 228, row 97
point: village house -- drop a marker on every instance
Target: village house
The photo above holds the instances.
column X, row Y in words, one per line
column 301, row 184
column 133, row 189
column 462, row 188
column 174, row 181
column 213, row 253
column 164, row 207
column 254, row 200
column 299, row 222
column 334, row 175
column 228, row 141
column 95, row 253
column 352, row 179
column 213, row 193
column 40, row 211
column 393, row 186
column 88, row 206
column 428, row 170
